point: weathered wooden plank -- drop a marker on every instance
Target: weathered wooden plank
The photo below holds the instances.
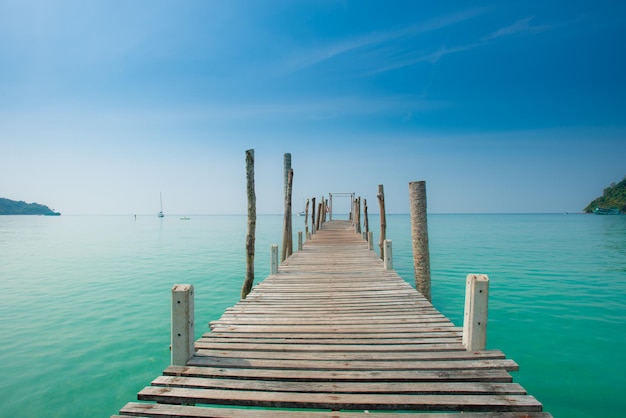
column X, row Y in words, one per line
column 377, row 356
column 339, row 316
column 278, row 399
column 450, row 375
column 430, row 388
column 136, row 409
column 425, row 333
column 369, row 347
column 209, row 361
column 330, row 328
column 298, row 321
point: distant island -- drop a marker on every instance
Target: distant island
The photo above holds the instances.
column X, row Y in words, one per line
column 613, row 197
column 12, row 207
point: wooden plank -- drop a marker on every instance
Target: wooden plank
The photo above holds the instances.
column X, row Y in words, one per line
column 329, row 328
column 353, row 356
column 432, row 388
column 372, row 334
column 276, row 399
column 199, row 360
column 370, row 346
column 380, row 338
column 450, row 375
column 136, row 409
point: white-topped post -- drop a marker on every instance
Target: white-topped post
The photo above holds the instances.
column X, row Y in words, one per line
column 475, row 315
column 387, row 257
column 182, row 324
column 274, row 259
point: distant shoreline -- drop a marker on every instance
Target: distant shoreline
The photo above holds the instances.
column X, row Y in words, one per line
column 21, row 208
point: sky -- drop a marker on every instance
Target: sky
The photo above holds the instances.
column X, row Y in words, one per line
column 500, row 106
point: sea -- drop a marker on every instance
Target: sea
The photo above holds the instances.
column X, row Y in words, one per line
column 85, row 300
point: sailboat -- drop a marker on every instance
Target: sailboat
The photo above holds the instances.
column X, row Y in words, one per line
column 161, row 212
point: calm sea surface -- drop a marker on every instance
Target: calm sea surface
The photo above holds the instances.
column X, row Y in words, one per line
column 85, row 300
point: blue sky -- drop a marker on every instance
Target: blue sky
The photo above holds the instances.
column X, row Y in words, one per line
column 500, row 106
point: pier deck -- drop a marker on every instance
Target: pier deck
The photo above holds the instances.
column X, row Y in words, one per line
column 335, row 334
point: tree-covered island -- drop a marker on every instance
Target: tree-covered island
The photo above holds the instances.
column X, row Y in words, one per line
column 12, row 207
column 613, row 196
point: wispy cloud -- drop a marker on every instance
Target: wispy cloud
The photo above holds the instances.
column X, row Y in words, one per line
column 429, row 56
column 324, row 53
column 377, row 44
column 522, row 26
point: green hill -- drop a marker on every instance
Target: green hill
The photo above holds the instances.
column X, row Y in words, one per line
column 614, row 196
column 12, row 207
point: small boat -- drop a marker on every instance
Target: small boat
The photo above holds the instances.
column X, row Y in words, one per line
column 161, row 212
column 301, row 213
column 184, row 218
column 606, row 211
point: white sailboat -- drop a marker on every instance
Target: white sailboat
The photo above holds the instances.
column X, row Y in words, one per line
column 161, row 212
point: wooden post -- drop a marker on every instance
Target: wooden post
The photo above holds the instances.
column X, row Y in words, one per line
column 250, row 236
column 326, row 210
column 370, row 240
column 475, row 315
column 299, row 240
column 330, row 214
column 273, row 259
column 419, row 234
column 286, row 168
column 306, row 219
column 287, row 249
column 366, row 224
column 383, row 220
column 388, row 261
column 313, row 229
column 319, row 215
column 357, row 215
column 182, row 324
column 350, row 215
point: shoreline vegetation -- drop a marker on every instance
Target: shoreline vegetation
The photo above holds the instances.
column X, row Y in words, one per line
column 13, row 207
column 613, row 197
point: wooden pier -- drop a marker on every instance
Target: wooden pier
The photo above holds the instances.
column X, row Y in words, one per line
column 335, row 334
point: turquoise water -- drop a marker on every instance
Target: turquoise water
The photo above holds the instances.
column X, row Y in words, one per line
column 84, row 317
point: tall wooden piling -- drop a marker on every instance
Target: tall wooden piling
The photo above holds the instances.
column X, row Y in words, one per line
column 183, row 334
column 383, row 221
column 320, row 207
column 313, row 228
column 330, row 205
column 419, row 234
column 366, row 223
column 287, row 249
column 306, row 219
column 357, row 215
column 250, row 236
